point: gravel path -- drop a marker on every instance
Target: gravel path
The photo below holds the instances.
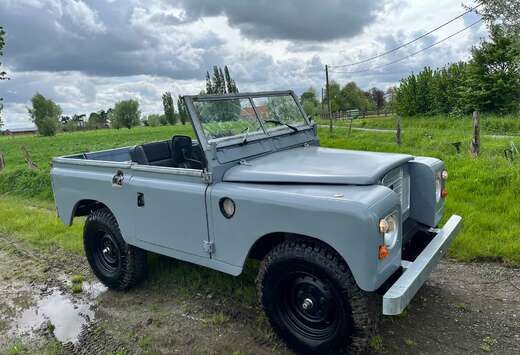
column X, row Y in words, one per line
column 463, row 309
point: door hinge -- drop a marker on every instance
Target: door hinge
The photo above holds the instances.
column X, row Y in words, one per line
column 209, row 247
column 207, row 177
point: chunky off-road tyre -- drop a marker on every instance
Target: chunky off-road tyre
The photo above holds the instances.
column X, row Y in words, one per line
column 118, row 265
column 312, row 301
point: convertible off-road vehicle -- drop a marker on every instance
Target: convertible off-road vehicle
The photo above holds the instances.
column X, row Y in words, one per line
column 336, row 231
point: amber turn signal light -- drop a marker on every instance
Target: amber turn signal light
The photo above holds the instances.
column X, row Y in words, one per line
column 444, row 193
column 383, row 252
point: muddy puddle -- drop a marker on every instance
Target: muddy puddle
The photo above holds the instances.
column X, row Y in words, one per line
column 55, row 311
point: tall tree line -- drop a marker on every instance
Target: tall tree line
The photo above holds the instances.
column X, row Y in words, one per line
column 489, row 82
column 220, row 82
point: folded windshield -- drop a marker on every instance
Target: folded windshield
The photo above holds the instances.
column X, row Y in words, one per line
column 248, row 118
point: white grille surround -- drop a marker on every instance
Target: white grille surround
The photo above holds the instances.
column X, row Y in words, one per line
column 398, row 180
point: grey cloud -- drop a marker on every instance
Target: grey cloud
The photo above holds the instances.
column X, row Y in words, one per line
column 99, row 40
column 306, row 20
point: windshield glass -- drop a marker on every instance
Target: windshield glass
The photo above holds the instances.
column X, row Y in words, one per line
column 278, row 112
column 228, row 119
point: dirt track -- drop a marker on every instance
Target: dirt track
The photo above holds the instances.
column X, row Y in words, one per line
column 463, row 309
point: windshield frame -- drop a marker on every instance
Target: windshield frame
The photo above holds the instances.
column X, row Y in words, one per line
column 238, row 138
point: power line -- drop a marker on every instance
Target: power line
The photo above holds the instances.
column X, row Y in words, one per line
column 412, row 54
column 407, row 43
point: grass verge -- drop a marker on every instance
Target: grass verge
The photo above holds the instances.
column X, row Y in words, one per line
column 482, row 190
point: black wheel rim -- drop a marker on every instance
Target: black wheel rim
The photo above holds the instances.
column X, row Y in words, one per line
column 308, row 306
column 106, row 253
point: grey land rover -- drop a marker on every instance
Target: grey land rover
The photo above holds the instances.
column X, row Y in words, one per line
column 342, row 235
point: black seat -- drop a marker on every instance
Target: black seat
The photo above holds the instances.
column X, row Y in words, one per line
column 138, row 156
column 157, row 153
column 182, row 149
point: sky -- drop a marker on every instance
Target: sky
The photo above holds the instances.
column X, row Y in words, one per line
column 88, row 54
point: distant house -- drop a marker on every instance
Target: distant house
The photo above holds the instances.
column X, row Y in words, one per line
column 19, row 131
column 248, row 112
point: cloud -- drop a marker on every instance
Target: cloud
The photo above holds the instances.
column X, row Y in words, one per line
column 111, row 40
column 306, row 20
column 86, row 55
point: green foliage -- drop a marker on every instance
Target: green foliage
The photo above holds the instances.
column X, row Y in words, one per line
column 98, row 119
column 489, row 82
column 310, row 103
column 220, row 82
column 155, row 120
column 126, row 114
column 351, row 97
column 378, row 98
column 169, row 108
column 503, row 12
column 77, row 288
column 45, row 115
column 493, row 78
column 183, row 112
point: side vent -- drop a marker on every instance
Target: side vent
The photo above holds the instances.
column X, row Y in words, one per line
column 398, row 180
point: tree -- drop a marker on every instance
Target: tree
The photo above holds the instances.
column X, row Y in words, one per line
column 493, row 83
column 335, row 99
column 309, row 102
column 45, row 114
column 97, row 120
column 126, row 114
column 169, row 108
column 2, row 72
column 220, row 82
column 352, row 97
column 378, row 98
column 155, row 120
column 183, row 113
column 230, row 83
column 505, row 13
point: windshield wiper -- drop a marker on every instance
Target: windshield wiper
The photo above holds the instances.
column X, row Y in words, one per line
column 283, row 124
column 245, row 141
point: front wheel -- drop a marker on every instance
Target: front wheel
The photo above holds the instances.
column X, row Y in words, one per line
column 115, row 263
column 312, row 300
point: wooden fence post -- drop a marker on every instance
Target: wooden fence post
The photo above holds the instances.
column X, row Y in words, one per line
column 28, row 159
column 398, row 131
column 2, row 161
column 475, row 142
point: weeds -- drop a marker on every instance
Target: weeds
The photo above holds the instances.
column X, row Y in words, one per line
column 77, row 288
column 376, row 344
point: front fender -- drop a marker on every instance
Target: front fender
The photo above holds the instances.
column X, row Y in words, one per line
column 344, row 217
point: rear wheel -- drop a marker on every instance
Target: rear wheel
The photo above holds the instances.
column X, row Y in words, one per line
column 118, row 265
column 312, row 300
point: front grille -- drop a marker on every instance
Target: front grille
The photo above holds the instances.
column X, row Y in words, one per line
column 398, row 180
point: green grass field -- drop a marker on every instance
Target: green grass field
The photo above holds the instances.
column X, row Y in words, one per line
column 483, row 190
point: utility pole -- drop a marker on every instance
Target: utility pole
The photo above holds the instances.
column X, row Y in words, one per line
column 322, row 98
column 328, row 97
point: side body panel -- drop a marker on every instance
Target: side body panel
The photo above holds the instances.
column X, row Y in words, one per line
column 345, row 217
column 171, row 213
column 80, row 180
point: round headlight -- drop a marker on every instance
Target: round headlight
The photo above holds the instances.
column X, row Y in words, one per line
column 438, row 189
column 444, row 174
column 227, row 207
column 388, row 227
